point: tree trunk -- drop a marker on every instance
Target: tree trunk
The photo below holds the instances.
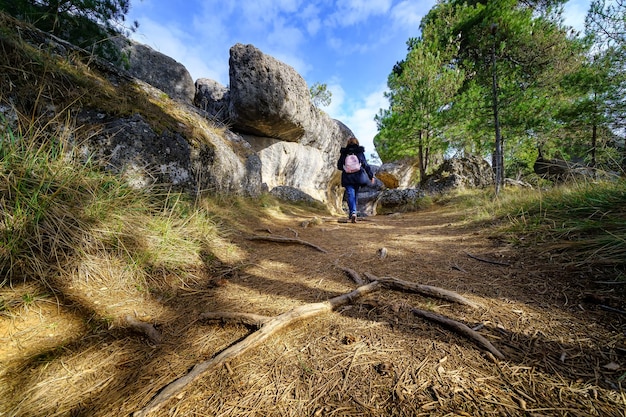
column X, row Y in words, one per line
column 420, row 155
column 498, row 157
column 594, row 143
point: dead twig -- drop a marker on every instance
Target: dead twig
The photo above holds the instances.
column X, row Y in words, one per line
column 287, row 240
column 458, row 268
column 489, row 261
column 612, row 309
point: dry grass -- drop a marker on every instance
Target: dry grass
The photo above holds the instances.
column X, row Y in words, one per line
column 373, row 358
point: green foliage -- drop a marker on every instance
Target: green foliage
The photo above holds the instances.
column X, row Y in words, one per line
column 320, row 95
column 421, row 90
column 57, row 211
column 606, row 23
column 89, row 24
column 551, row 93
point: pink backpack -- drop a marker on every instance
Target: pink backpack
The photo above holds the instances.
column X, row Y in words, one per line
column 352, row 164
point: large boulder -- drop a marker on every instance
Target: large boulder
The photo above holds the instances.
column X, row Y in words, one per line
column 399, row 200
column 160, row 71
column 269, row 104
column 459, row 173
column 399, row 174
column 267, row 97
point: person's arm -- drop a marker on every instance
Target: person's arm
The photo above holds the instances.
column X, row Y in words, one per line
column 341, row 161
column 367, row 167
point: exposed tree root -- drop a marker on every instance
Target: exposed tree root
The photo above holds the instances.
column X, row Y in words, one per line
column 287, row 240
column 354, row 276
column 144, row 328
column 268, row 326
column 266, row 330
column 428, row 290
column 460, row 328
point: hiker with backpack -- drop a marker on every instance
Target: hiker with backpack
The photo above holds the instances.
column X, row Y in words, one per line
column 355, row 172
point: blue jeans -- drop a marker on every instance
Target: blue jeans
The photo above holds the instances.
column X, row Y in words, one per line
column 351, row 193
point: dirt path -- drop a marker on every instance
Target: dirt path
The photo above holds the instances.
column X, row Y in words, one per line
column 563, row 354
column 377, row 358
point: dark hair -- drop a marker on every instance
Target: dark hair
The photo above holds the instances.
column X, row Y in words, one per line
column 353, row 141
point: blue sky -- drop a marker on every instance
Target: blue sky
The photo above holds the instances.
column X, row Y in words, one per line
column 350, row 45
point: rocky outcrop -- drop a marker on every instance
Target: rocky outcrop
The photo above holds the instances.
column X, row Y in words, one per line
column 159, row 70
column 399, row 174
column 271, row 135
column 459, row 173
column 269, row 104
column 131, row 147
column 213, row 98
column 399, row 200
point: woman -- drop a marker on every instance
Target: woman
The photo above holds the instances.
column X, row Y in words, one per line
column 353, row 180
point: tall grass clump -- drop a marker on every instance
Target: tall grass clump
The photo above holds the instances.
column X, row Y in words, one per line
column 583, row 222
column 67, row 222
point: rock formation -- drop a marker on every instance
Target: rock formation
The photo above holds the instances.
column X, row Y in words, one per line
column 268, row 104
column 159, row 70
column 261, row 134
column 468, row 172
column 399, row 174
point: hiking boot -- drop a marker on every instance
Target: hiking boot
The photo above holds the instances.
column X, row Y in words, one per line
column 353, row 218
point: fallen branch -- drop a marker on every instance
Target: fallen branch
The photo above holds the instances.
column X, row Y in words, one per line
column 287, row 240
column 268, row 328
column 489, row 261
column 428, row 290
column 460, row 328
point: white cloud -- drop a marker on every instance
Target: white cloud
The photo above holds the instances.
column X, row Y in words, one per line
column 285, row 37
column 350, row 12
column 358, row 115
column 409, row 14
column 336, row 100
column 311, row 19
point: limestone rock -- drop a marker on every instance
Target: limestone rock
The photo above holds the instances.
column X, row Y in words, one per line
column 132, row 148
column 293, row 165
column 399, row 174
column 292, row 194
column 269, row 103
column 461, row 173
column 267, row 97
column 213, row 98
column 160, row 71
column 399, row 200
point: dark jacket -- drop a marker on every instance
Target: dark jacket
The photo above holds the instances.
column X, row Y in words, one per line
column 356, row 178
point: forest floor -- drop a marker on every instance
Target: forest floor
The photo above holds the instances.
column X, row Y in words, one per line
column 561, row 330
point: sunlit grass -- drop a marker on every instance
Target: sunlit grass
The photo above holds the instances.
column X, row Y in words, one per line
column 54, row 212
column 582, row 222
